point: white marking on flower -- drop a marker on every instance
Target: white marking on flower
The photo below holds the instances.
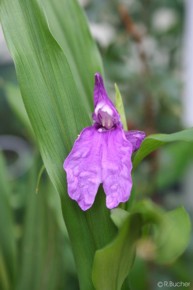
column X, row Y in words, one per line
column 107, row 110
column 104, row 108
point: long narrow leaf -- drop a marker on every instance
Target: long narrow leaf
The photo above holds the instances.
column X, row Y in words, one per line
column 69, row 27
column 42, row 262
column 57, row 113
column 7, row 240
column 153, row 142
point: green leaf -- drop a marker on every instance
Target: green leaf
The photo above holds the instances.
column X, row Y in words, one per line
column 7, row 239
column 140, row 266
column 120, row 107
column 113, row 262
column 153, row 142
column 69, row 27
column 149, row 211
column 173, row 163
column 173, row 235
column 58, row 109
column 16, row 103
column 43, row 260
column 170, row 232
column 118, row 216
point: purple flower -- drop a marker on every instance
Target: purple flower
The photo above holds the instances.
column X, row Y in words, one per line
column 102, row 154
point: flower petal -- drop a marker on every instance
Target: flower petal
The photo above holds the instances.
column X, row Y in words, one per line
column 83, row 168
column 116, row 167
column 105, row 112
column 100, row 93
column 135, row 137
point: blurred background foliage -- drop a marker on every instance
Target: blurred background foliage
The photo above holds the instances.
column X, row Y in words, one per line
column 141, row 45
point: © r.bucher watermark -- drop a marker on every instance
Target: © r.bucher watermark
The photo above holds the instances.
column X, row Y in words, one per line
column 176, row 284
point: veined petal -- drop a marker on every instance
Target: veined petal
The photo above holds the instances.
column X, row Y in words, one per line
column 99, row 157
column 135, row 137
column 83, row 168
column 116, row 167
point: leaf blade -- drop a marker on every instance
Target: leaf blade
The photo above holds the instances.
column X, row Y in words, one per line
column 78, row 48
column 57, row 113
column 174, row 235
column 120, row 107
column 7, row 239
column 153, row 142
column 112, row 263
